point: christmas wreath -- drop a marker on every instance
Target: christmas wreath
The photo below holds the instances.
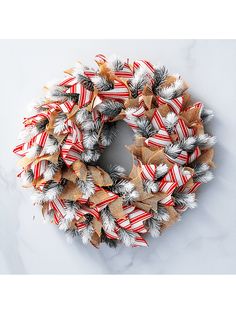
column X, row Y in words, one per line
column 75, row 121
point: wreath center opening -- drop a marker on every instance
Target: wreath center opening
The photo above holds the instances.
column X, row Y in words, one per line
column 117, row 153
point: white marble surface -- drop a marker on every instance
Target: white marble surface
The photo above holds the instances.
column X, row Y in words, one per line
column 203, row 242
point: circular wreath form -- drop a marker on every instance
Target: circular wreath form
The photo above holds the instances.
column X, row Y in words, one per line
column 70, row 127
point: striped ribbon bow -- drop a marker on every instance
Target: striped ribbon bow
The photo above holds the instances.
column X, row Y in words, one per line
column 178, row 175
column 148, row 171
column 175, row 177
column 73, row 144
column 133, row 221
column 174, row 104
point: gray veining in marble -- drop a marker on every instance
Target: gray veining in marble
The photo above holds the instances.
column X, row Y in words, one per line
column 203, row 242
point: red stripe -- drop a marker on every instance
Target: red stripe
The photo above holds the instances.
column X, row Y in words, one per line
column 68, row 80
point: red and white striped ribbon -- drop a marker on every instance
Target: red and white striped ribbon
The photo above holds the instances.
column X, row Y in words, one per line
column 136, row 114
column 82, row 200
column 194, row 155
column 98, row 188
column 139, row 112
column 41, row 138
column 143, row 64
column 125, row 73
column 161, row 139
column 182, row 130
column 197, row 105
column 182, row 158
column 128, row 209
column 69, row 80
column 21, row 149
column 85, row 95
column 90, row 73
column 131, row 124
column 74, row 87
column 39, row 168
column 111, row 197
column 81, row 226
column 175, row 104
column 137, row 218
column 95, row 112
column 69, row 153
column 58, row 206
column 41, row 186
column 187, row 189
column 44, row 148
column 67, row 106
column 124, row 223
column 71, row 156
column 157, row 120
column 52, row 106
column 148, row 171
column 72, row 146
column 168, row 188
column 176, row 174
column 100, row 58
column 37, row 118
column 139, row 241
column 113, row 235
column 181, row 208
column 167, row 201
column 87, row 210
column 120, row 91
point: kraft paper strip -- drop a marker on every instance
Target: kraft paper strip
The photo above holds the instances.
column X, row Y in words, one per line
column 116, row 208
column 71, row 192
column 95, row 240
column 53, row 158
column 80, row 169
column 100, row 177
column 206, row 157
column 69, row 174
column 174, row 217
column 97, row 225
column 99, row 196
